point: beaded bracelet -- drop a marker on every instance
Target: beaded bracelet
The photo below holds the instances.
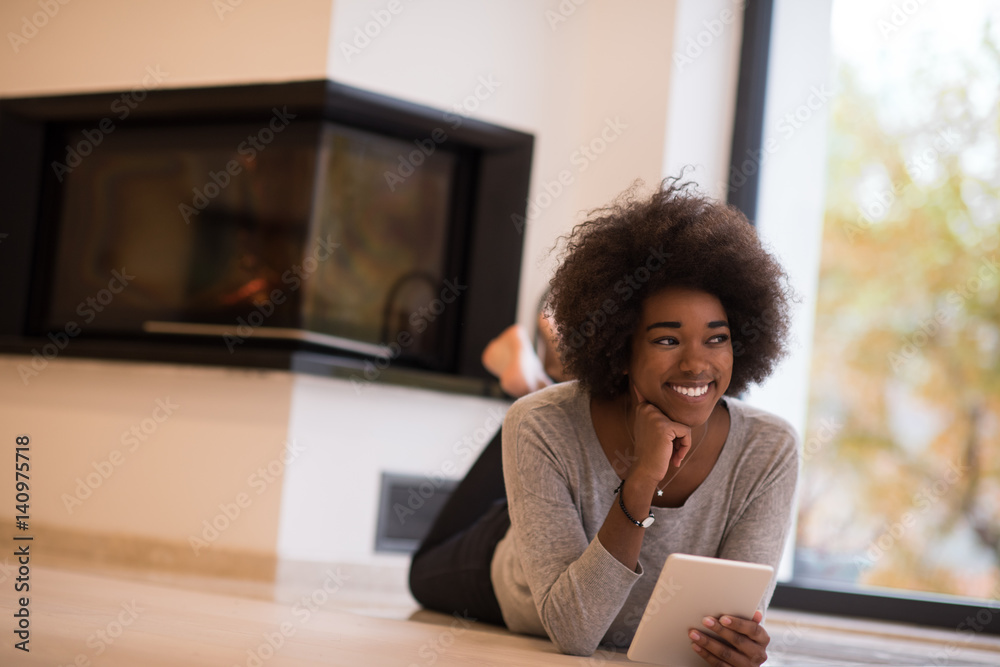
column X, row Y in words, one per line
column 645, row 523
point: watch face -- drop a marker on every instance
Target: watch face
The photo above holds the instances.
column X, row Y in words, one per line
column 648, row 521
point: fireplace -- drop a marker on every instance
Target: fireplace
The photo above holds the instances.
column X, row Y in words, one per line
column 305, row 225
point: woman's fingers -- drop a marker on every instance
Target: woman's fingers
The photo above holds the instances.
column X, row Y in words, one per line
column 639, row 398
column 742, row 642
column 679, row 435
column 717, row 653
column 734, row 628
column 682, row 444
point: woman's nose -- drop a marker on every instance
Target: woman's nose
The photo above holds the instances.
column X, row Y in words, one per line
column 694, row 359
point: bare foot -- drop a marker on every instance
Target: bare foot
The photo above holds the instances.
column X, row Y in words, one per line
column 511, row 357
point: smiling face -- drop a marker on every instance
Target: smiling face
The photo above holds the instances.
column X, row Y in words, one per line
column 682, row 354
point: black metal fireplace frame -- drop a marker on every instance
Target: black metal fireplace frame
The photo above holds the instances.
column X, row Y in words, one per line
column 494, row 183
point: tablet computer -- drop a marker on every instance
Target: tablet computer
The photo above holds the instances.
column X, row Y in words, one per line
column 689, row 589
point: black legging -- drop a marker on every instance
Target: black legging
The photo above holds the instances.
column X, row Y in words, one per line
column 450, row 572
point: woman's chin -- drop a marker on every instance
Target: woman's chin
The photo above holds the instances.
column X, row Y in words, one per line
column 690, row 416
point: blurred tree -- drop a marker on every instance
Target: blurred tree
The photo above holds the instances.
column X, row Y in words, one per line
column 907, row 335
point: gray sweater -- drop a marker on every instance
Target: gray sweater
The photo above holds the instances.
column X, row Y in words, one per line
column 551, row 574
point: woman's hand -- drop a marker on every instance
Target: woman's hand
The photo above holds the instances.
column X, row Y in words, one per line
column 659, row 442
column 745, row 641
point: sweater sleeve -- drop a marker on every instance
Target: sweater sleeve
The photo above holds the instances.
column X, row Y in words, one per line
column 757, row 534
column 577, row 586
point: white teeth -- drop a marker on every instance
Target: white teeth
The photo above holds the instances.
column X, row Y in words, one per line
column 690, row 391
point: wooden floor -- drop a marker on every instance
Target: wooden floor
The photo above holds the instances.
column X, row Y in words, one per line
column 320, row 615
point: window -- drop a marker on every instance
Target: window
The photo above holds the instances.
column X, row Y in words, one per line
column 879, row 185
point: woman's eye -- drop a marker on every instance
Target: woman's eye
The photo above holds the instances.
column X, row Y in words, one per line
column 670, row 340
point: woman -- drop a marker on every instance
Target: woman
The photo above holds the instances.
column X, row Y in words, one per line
column 667, row 307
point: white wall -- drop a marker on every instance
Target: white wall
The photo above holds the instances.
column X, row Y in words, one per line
column 706, row 48
column 108, row 44
column 567, row 78
column 562, row 76
column 231, row 421
column 198, row 439
column 349, row 435
column 793, row 183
